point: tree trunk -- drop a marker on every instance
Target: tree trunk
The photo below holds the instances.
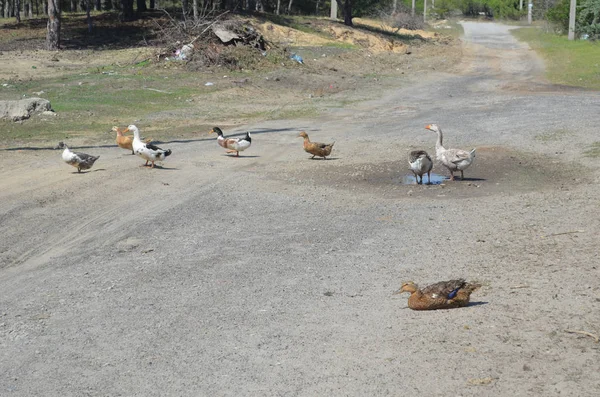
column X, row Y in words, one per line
column 53, row 33
column 73, row 7
column 18, row 10
column 152, row 5
column 289, row 10
column 141, row 5
column 195, row 9
column 317, row 7
column 184, row 7
column 88, row 9
column 127, row 10
column 98, row 5
column 278, row 6
column 346, row 7
column 395, row 5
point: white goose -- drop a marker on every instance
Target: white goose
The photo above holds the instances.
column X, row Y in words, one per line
column 81, row 161
column 147, row 151
column 420, row 163
column 453, row 159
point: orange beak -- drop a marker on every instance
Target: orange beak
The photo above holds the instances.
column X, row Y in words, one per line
column 211, row 131
column 428, row 127
column 126, row 130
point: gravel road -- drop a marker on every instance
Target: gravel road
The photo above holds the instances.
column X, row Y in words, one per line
column 272, row 274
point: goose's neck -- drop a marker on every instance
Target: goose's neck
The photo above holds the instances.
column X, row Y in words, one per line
column 136, row 134
column 439, row 143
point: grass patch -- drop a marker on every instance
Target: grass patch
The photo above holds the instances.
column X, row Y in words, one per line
column 574, row 63
column 593, row 150
column 552, row 136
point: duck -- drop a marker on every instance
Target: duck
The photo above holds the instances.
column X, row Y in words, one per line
column 124, row 142
column 235, row 145
column 316, row 148
column 81, row 161
column 420, row 163
column 453, row 159
column 443, row 295
column 147, row 151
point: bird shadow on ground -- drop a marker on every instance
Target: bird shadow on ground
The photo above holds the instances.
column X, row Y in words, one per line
column 159, row 167
column 321, row 158
column 476, row 304
column 88, row 172
column 240, row 157
column 470, row 180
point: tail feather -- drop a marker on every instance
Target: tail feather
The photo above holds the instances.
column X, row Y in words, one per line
column 472, row 153
column 168, row 152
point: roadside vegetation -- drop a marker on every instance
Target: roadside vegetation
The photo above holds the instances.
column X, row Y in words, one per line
column 574, row 63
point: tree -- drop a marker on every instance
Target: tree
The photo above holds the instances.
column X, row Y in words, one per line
column 127, row 10
column 53, row 27
column 346, row 7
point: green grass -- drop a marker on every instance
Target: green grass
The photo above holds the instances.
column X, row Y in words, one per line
column 573, row 63
column 553, row 136
column 90, row 102
column 593, row 150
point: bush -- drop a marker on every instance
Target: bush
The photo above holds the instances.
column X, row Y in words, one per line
column 588, row 19
column 559, row 16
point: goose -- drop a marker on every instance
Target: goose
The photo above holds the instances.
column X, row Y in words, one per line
column 235, row 145
column 81, row 161
column 316, row 148
column 443, row 295
column 147, row 151
column 420, row 163
column 453, row 159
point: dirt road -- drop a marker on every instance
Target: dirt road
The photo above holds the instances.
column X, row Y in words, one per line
column 272, row 274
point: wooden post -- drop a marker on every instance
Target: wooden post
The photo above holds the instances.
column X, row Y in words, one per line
column 333, row 13
column 572, row 11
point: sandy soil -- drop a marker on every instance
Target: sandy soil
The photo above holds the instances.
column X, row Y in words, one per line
column 273, row 274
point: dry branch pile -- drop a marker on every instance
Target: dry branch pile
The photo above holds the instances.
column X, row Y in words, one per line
column 209, row 41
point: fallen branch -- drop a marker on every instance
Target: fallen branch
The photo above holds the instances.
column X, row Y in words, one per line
column 595, row 337
column 520, row 286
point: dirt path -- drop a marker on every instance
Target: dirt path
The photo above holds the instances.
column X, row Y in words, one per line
column 272, row 274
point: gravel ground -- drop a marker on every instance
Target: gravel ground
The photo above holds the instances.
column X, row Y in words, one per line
column 272, row 274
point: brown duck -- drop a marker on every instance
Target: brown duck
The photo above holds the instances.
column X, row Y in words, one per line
column 316, row 148
column 443, row 295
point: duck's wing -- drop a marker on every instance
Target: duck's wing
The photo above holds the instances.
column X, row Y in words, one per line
column 83, row 157
column 151, row 146
column 444, row 289
column 229, row 142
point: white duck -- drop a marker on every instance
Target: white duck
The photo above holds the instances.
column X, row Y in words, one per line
column 420, row 163
column 453, row 159
column 236, row 145
column 147, row 151
column 81, row 161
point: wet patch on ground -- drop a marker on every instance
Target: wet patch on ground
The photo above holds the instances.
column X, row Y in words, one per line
column 496, row 170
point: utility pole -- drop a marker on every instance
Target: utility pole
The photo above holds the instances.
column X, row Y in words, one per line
column 424, row 10
column 520, row 5
column 572, row 11
column 333, row 13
